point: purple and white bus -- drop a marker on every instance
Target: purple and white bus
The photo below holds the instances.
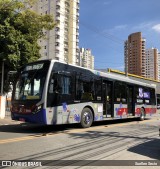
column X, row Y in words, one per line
column 50, row 92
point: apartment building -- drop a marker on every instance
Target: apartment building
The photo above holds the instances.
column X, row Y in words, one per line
column 61, row 43
column 86, row 58
column 134, row 54
column 151, row 63
column 158, row 66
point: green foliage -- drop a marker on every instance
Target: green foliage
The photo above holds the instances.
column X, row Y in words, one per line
column 20, row 29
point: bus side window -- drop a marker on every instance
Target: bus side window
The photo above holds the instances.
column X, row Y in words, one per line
column 84, row 88
column 139, row 95
column 51, row 86
column 98, row 90
column 152, row 96
column 146, row 95
column 79, row 89
column 87, row 91
column 120, row 92
column 54, row 86
column 52, row 97
column 66, row 85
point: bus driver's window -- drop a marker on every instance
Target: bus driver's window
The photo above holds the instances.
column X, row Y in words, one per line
column 51, row 86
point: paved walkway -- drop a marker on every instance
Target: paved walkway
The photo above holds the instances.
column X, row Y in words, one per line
column 9, row 121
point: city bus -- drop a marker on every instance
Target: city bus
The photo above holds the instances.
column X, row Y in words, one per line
column 50, row 92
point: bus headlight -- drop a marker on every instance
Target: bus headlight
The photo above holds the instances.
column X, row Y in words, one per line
column 36, row 109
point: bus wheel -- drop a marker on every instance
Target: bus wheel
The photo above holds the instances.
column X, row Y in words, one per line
column 86, row 118
column 142, row 116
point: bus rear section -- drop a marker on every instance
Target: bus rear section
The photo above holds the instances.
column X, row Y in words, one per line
column 133, row 99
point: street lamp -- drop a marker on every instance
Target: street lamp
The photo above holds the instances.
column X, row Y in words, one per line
column 2, row 78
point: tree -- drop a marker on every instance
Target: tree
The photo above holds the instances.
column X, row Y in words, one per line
column 20, row 29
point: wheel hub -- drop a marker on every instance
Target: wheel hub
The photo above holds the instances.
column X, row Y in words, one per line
column 87, row 117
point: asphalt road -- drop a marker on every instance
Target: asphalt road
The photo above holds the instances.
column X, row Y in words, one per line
column 104, row 145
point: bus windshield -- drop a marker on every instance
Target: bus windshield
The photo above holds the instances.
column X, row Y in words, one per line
column 30, row 83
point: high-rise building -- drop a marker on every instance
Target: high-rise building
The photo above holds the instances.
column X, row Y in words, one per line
column 151, row 63
column 61, row 43
column 134, row 53
column 86, row 58
column 158, row 66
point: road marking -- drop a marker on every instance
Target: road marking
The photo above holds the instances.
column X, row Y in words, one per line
column 70, row 131
column 18, row 139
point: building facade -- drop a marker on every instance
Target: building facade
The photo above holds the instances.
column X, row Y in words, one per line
column 152, row 63
column 86, row 58
column 61, row 43
column 134, row 54
column 158, row 66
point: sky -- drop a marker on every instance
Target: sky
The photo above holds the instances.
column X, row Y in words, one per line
column 106, row 24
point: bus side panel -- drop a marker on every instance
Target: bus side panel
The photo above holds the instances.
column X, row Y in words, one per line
column 67, row 114
column 149, row 110
column 120, row 110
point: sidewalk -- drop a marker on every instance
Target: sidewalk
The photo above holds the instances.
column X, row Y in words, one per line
column 9, row 121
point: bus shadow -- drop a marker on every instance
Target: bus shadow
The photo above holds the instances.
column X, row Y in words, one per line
column 115, row 121
column 149, row 149
column 28, row 128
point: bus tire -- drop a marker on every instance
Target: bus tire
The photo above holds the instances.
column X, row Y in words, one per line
column 142, row 116
column 86, row 118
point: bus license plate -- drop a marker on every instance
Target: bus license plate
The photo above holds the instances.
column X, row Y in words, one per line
column 22, row 119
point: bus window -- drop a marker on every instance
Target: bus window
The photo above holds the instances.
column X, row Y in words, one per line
column 139, row 95
column 87, row 91
column 65, row 85
column 79, row 89
column 84, row 88
column 54, row 85
column 120, row 92
column 52, row 98
column 98, row 90
column 146, row 95
column 152, row 97
column 59, row 89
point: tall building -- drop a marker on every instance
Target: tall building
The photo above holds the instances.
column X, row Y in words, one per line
column 152, row 63
column 158, row 66
column 134, row 54
column 61, row 43
column 86, row 58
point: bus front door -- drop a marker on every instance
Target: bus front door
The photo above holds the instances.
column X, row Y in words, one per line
column 130, row 100
column 107, row 99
